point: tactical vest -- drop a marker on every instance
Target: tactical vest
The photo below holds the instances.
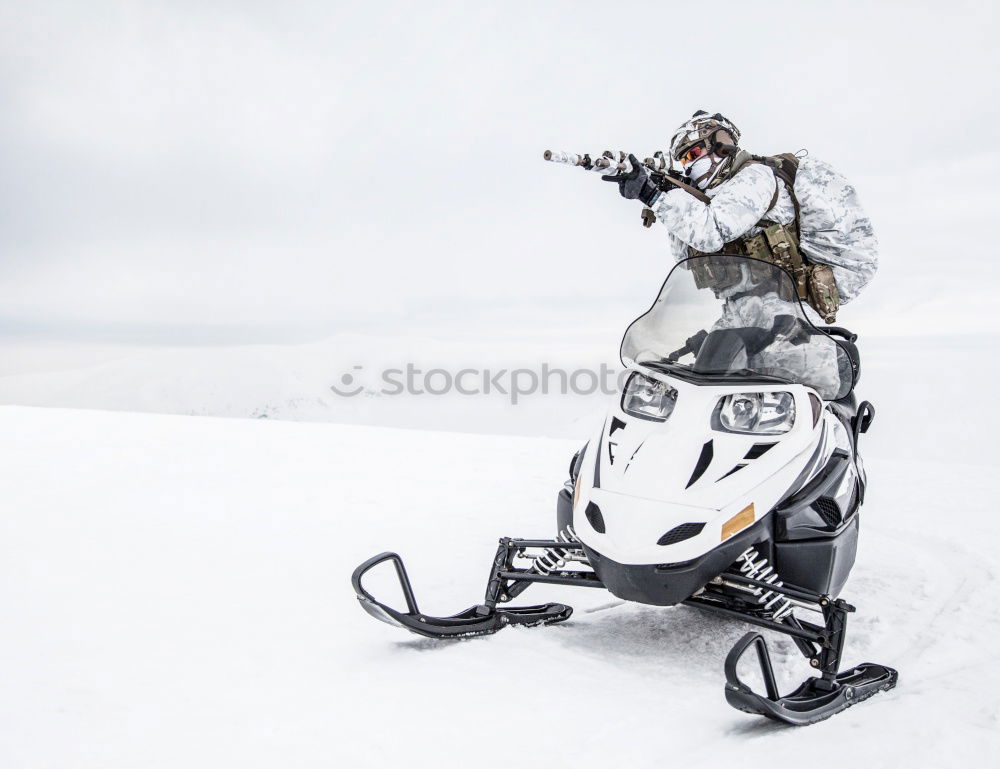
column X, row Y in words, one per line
column 777, row 243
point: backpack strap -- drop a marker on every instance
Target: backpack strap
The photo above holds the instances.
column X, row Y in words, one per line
column 784, row 166
column 774, row 197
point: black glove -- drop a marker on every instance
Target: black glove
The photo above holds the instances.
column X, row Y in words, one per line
column 792, row 328
column 635, row 185
column 693, row 346
column 695, row 342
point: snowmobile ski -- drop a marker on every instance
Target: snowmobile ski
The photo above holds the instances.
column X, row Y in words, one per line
column 814, row 700
column 477, row 620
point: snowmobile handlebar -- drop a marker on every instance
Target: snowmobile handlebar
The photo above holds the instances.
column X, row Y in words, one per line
column 693, row 345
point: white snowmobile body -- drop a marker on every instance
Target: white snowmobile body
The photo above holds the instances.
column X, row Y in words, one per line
column 726, row 477
column 663, row 505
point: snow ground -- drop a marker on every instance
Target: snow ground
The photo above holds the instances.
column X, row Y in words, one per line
column 176, row 594
column 176, row 589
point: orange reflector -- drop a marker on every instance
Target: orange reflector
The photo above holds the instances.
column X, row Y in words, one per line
column 738, row 522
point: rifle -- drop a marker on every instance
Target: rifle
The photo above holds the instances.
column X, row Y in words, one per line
column 609, row 163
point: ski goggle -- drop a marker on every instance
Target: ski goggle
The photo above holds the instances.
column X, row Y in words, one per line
column 692, row 154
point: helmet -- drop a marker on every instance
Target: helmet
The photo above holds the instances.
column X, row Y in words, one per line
column 702, row 128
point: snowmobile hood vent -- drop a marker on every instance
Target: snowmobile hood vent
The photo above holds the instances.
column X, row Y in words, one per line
column 704, row 460
column 680, row 533
column 828, row 510
column 595, row 517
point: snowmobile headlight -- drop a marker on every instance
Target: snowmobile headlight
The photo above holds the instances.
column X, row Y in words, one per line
column 648, row 398
column 755, row 413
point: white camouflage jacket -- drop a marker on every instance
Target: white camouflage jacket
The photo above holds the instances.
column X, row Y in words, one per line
column 835, row 229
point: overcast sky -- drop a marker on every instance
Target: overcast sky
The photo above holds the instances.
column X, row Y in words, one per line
column 241, row 171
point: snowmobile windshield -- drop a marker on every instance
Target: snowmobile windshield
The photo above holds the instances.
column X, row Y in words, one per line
column 734, row 317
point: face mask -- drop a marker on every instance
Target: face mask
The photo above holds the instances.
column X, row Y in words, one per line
column 702, row 171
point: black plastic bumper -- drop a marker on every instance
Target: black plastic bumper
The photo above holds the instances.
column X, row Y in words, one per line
column 670, row 583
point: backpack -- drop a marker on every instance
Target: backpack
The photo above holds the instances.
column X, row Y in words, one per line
column 834, row 229
column 830, row 225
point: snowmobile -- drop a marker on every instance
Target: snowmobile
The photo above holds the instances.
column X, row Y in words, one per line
column 726, row 477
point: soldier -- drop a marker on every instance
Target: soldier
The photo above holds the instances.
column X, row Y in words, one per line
column 736, row 202
column 802, row 216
